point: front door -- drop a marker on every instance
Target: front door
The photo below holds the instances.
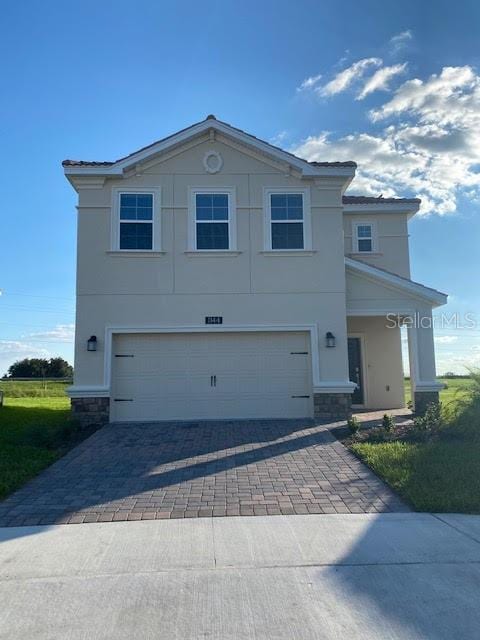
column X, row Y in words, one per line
column 355, row 368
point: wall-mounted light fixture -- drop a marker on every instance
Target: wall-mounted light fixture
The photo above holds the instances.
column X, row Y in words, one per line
column 92, row 343
column 329, row 339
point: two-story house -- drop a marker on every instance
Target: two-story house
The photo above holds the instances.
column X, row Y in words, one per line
column 221, row 277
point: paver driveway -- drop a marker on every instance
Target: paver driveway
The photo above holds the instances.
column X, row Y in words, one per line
column 179, row 470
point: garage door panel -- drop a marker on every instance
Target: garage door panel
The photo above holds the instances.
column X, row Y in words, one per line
column 169, row 376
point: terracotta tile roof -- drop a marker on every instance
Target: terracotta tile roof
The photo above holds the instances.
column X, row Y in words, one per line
column 378, row 200
column 87, row 163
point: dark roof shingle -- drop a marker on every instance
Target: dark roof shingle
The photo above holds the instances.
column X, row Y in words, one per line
column 86, row 163
column 378, row 200
column 347, row 163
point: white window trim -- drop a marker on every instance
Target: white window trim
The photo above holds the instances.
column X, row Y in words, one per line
column 232, row 219
column 267, row 217
column 355, row 238
column 156, row 220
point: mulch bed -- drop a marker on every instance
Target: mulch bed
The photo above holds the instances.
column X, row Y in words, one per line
column 373, row 432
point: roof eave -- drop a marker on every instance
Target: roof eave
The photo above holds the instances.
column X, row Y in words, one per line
column 71, row 170
column 386, row 207
column 118, row 168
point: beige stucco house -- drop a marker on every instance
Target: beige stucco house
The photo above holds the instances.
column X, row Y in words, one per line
column 221, row 277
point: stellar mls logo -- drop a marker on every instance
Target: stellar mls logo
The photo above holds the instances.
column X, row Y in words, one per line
column 441, row 321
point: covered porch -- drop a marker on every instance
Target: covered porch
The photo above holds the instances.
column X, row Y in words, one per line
column 379, row 303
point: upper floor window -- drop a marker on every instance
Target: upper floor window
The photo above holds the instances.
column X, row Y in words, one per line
column 288, row 220
column 136, row 221
column 212, row 220
column 364, row 237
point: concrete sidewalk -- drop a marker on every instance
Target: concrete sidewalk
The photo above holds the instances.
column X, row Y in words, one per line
column 368, row 576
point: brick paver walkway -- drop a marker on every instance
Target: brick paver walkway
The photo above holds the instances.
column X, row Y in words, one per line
column 148, row 471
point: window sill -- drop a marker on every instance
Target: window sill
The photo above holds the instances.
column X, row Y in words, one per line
column 371, row 254
column 220, row 253
column 131, row 253
column 288, row 252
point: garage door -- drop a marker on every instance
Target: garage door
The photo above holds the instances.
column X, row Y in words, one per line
column 211, row 376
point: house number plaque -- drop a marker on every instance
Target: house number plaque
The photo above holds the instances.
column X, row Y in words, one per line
column 213, row 320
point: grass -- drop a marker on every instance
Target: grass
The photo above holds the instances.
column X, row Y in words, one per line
column 34, row 432
column 33, row 388
column 437, row 476
column 442, row 473
column 454, row 388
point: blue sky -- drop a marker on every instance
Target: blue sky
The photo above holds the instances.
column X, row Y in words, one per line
column 97, row 80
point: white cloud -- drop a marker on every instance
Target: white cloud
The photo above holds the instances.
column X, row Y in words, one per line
column 446, row 339
column 13, row 350
column 466, row 362
column 34, row 345
column 60, row 333
column 380, row 79
column 448, row 360
column 17, row 348
column 345, row 78
column 430, row 146
column 309, row 83
column 400, row 41
column 447, row 95
column 352, row 74
column 279, row 138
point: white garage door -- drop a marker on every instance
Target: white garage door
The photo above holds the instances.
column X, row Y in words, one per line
column 211, row 376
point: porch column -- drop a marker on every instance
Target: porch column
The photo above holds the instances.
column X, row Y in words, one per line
column 421, row 355
column 332, row 389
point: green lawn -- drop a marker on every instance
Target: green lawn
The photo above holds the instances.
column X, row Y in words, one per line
column 454, row 387
column 34, row 432
column 443, row 473
column 33, row 388
column 437, row 476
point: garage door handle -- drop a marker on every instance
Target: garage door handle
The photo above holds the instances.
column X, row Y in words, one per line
column 123, row 399
column 300, row 396
column 123, row 356
column 299, row 353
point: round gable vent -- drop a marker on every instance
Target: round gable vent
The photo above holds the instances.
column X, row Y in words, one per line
column 212, row 161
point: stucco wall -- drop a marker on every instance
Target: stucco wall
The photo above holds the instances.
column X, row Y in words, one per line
column 392, row 241
column 325, row 310
column 382, row 355
column 364, row 294
column 176, row 288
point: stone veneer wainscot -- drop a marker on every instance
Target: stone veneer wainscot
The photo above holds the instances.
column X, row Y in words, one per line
column 91, row 411
column 332, row 406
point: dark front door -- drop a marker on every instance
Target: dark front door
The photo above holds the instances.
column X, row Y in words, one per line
column 355, row 368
